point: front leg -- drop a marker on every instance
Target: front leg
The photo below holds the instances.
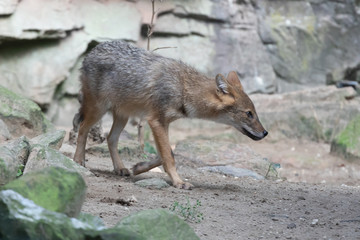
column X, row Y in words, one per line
column 160, row 132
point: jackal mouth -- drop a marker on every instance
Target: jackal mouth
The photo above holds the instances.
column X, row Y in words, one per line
column 251, row 135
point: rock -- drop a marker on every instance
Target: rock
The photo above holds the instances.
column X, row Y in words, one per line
column 183, row 49
column 21, row 116
column 152, row 183
column 129, row 150
column 94, row 221
column 56, row 18
column 23, row 218
column 182, row 26
column 53, row 20
column 314, row 222
column 68, row 150
column 8, row 6
column 237, row 159
column 291, row 226
column 52, row 139
column 4, row 132
column 232, row 171
column 13, row 155
column 239, row 48
column 157, row 224
column 347, row 143
column 109, row 20
column 41, row 157
column 53, row 188
column 307, row 40
column 202, row 9
column 42, row 66
column 62, row 111
column 317, row 114
column 72, row 86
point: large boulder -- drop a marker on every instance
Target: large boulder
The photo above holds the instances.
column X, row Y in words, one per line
column 226, row 38
column 182, row 49
column 42, row 65
column 22, row 116
column 157, row 224
column 53, row 188
column 7, row 7
column 310, row 40
column 109, row 20
column 26, row 220
column 347, row 143
column 13, row 156
column 53, row 20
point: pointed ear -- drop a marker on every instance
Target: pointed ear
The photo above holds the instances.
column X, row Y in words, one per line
column 234, row 80
column 221, row 84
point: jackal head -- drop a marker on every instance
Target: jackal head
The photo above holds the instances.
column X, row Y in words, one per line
column 237, row 109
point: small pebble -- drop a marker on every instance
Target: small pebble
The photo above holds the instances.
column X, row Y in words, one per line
column 314, row 222
column 291, row 226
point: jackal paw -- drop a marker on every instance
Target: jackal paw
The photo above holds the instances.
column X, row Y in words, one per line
column 184, row 185
column 124, row 172
column 140, row 168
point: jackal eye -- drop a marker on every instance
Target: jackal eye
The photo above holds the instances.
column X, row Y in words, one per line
column 249, row 114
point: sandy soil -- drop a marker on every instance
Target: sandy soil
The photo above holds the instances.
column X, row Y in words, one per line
column 318, row 198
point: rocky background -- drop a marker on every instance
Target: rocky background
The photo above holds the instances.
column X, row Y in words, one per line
column 275, row 46
column 293, row 57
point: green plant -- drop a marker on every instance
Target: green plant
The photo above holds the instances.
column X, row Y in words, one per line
column 20, row 170
column 188, row 212
column 149, row 148
column 272, row 169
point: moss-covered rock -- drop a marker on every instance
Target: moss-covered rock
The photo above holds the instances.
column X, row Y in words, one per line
column 157, row 224
column 41, row 157
column 21, row 115
column 52, row 139
column 347, row 143
column 26, row 220
column 13, row 155
column 53, row 188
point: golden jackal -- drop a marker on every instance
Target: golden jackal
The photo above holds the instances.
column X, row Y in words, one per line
column 129, row 81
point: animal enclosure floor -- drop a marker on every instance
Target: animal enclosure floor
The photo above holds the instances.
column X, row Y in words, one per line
column 237, row 208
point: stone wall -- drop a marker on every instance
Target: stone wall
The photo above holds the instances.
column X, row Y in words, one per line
column 275, row 46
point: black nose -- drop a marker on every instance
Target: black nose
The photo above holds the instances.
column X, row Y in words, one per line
column 265, row 133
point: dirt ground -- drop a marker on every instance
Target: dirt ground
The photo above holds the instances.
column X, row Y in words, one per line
column 318, row 198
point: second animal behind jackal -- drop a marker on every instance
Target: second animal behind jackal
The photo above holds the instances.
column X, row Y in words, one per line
column 129, row 81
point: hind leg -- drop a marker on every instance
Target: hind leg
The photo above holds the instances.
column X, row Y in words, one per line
column 146, row 166
column 91, row 115
column 113, row 139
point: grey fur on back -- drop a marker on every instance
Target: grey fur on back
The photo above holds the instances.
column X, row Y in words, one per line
column 131, row 80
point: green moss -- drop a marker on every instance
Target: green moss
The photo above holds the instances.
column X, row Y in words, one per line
column 350, row 136
column 157, row 224
column 53, row 188
column 13, row 107
column 7, row 100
